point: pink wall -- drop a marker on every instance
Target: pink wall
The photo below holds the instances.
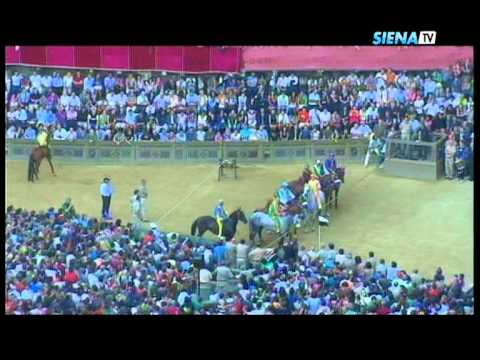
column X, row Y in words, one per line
column 235, row 59
column 351, row 57
column 168, row 58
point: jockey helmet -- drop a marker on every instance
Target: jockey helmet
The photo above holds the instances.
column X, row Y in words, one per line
column 220, row 201
column 318, row 162
column 284, row 184
column 332, row 155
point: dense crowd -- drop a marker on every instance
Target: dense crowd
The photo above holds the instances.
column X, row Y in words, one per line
column 99, row 105
column 58, row 262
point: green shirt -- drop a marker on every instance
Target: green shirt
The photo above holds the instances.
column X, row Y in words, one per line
column 102, row 120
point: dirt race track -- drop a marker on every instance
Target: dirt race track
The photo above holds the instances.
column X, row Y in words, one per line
column 419, row 224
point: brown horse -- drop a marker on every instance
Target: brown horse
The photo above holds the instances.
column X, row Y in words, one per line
column 38, row 154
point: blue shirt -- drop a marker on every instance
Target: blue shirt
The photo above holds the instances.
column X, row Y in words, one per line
column 429, row 86
column 163, row 136
column 192, row 99
column 330, row 164
column 24, row 97
column 22, row 115
column 245, row 133
column 89, row 83
column 313, row 305
column 464, row 153
column 392, row 272
column 191, row 136
column 220, row 212
column 50, row 118
column 131, row 117
column 16, row 80
column 219, row 253
column 57, row 82
column 106, row 189
column 109, row 82
column 29, row 134
column 415, row 125
column 399, row 95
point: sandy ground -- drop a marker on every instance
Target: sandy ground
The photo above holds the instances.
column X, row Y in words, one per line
column 419, row 224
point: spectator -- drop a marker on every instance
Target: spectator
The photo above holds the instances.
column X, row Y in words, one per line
column 334, row 102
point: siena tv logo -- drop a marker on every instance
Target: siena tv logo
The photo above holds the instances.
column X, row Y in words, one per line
column 404, row 38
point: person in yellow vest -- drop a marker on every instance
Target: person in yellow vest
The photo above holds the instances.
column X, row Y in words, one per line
column 315, row 187
column 274, row 212
column 42, row 136
column 43, row 139
column 220, row 215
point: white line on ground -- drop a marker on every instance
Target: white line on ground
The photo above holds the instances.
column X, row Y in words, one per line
column 186, row 197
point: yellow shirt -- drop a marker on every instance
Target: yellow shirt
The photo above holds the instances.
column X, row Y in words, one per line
column 42, row 139
column 314, row 186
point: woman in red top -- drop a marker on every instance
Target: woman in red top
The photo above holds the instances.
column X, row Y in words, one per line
column 71, row 276
column 78, row 83
column 354, row 116
column 303, row 116
column 148, row 238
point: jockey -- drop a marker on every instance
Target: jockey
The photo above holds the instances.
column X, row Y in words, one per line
column 285, row 195
column 67, row 209
column 274, row 212
column 43, row 138
column 330, row 164
column 220, row 215
column 315, row 187
column 319, row 169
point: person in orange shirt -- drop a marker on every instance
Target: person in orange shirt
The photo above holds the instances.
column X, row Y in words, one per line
column 391, row 76
column 354, row 116
column 303, row 116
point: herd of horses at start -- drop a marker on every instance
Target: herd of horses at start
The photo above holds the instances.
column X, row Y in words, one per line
column 299, row 212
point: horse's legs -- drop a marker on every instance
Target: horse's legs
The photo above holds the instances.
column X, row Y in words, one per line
column 336, row 198
column 51, row 166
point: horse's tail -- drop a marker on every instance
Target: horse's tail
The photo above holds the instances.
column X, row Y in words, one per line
column 31, row 169
column 251, row 227
column 193, row 229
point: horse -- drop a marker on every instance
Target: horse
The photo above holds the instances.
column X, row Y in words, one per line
column 204, row 223
column 35, row 159
column 297, row 185
column 333, row 183
column 311, row 210
column 260, row 220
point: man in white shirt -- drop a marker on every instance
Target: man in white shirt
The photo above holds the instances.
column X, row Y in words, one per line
column 60, row 133
column 200, row 134
column 47, row 81
column 36, row 81
column 325, row 117
column 205, row 283
column 106, row 192
column 314, row 114
column 72, row 135
column 65, row 99
column 12, row 132
column 431, row 108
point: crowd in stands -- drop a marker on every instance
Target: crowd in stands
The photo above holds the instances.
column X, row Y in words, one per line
column 267, row 106
column 58, row 262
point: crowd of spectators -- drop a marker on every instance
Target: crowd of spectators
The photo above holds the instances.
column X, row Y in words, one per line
column 267, row 106
column 58, row 262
